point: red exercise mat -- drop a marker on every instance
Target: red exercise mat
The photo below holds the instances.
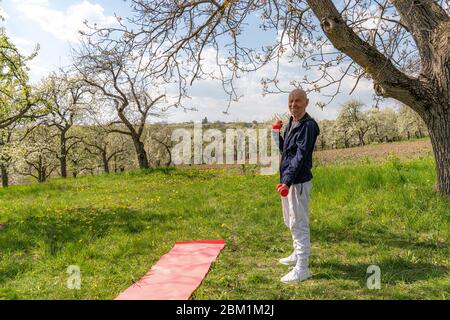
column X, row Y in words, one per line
column 178, row 273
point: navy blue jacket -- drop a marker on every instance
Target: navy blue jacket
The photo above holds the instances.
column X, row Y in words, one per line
column 297, row 150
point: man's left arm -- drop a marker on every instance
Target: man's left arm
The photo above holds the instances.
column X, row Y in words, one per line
column 305, row 144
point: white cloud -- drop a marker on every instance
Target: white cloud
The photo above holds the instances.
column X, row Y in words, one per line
column 64, row 25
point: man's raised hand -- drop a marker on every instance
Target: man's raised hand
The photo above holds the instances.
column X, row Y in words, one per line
column 277, row 126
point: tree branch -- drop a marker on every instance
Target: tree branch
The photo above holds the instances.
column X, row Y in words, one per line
column 388, row 80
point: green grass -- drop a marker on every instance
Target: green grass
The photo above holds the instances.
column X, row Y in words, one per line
column 116, row 227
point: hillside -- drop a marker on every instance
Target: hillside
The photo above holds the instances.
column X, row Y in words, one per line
column 116, row 227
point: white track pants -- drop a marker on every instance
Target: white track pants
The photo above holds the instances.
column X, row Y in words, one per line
column 295, row 212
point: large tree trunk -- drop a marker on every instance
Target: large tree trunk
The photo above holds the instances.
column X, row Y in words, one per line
column 141, row 154
column 63, row 156
column 361, row 139
column 169, row 161
column 63, row 164
column 5, row 179
column 105, row 162
column 135, row 136
column 115, row 164
column 439, row 129
column 42, row 175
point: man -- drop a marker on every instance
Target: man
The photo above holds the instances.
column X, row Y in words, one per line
column 296, row 147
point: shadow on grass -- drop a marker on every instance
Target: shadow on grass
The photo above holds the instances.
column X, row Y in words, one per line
column 393, row 271
column 373, row 237
column 55, row 231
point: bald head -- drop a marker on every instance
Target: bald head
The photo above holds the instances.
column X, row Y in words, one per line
column 299, row 92
column 298, row 101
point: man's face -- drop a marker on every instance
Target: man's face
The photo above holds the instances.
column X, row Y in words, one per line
column 297, row 103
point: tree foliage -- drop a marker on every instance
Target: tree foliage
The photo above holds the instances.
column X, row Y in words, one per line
column 18, row 100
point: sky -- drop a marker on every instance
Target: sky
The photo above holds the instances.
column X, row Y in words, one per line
column 54, row 25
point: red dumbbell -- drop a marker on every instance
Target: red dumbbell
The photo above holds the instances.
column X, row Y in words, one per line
column 277, row 126
column 282, row 190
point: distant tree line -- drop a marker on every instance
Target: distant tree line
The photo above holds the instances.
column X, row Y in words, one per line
column 355, row 126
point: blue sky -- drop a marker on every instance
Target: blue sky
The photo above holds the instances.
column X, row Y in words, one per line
column 53, row 24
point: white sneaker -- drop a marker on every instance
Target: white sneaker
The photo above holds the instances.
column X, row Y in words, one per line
column 289, row 261
column 296, row 275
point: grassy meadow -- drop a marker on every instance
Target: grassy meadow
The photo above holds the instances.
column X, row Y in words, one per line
column 115, row 227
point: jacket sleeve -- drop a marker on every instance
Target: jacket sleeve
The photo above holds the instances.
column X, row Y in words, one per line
column 281, row 143
column 305, row 144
